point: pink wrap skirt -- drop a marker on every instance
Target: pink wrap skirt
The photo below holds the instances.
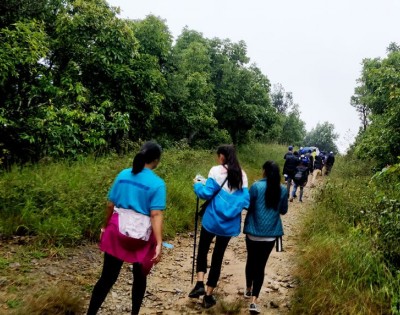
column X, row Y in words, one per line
column 127, row 249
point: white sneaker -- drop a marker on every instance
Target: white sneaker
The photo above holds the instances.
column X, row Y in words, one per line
column 247, row 295
column 254, row 309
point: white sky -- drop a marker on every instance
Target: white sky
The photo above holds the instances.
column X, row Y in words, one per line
column 314, row 48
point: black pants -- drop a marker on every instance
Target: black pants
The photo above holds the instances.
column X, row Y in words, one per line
column 218, row 254
column 257, row 257
column 111, row 268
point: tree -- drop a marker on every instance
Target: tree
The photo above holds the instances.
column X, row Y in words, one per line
column 293, row 128
column 281, row 99
column 359, row 102
column 379, row 93
column 322, row 136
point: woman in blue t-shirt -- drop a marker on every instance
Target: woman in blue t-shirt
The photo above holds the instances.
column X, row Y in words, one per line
column 221, row 219
column 268, row 200
column 140, row 190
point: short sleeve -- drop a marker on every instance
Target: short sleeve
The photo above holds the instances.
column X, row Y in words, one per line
column 159, row 198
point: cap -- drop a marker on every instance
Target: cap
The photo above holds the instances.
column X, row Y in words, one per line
column 290, row 148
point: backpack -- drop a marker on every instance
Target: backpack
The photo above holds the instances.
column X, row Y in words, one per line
column 301, row 175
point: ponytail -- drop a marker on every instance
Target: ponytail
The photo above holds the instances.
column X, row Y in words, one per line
column 235, row 180
column 138, row 163
column 149, row 152
column 273, row 190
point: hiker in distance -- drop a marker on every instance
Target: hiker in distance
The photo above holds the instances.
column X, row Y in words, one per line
column 268, row 200
column 137, row 200
column 222, row 218
column 300, row 178
column 289, row 169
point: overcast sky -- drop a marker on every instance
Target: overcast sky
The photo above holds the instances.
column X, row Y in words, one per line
column 314, row 48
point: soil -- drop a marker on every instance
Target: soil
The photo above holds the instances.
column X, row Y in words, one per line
column 169, row 282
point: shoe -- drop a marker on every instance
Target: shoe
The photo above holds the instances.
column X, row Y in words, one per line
column 254, row 309
column 291, row 199
column 295, row 196
column 209, row 301
column 247, row 295
column 300, row 200
column 197, row 292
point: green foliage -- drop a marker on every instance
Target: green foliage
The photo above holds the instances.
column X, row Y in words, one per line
column 350, row 239
column 322, row 136
column 75, row 79
column 377, row 98
column 63, row 203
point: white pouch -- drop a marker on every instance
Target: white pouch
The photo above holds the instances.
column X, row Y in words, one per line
column 133, row 224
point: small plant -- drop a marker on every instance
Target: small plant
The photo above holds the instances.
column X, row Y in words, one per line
column 60, row 300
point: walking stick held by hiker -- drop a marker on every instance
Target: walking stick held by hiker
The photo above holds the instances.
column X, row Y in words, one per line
column 196, row 220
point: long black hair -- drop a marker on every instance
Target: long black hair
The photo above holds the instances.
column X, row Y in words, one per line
column 273, row 191
column 235, row 180
column 149, row 152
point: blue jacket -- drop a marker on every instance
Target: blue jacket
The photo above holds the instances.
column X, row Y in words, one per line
column 261, row 221
column 223, row 215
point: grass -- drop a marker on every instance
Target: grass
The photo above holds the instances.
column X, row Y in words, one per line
column 341, row 268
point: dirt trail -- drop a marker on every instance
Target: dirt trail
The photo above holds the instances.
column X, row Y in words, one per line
column 169, row 282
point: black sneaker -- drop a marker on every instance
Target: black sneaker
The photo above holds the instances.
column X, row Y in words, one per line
column 209, row 301
column 253, row 309
column 197, row 292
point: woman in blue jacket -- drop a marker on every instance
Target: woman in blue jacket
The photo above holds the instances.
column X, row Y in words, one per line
column 268, row 200
column 221, row 219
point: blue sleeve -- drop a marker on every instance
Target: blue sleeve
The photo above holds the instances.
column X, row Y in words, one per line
column 205, row 191
column 253, row 192
column 112, row 194
column 246, row 198
column 283, row 205
column 159, row 198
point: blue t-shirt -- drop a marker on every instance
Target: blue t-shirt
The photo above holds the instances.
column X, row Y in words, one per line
column 142, row 192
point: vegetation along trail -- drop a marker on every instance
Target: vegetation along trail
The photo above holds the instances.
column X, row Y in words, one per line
column 168, row 285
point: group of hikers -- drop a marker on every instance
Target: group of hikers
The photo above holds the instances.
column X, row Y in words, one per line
column 300, row 164
column 132, row 230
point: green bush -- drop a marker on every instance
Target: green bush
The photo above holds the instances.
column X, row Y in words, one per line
column 350, row 255
column 63, row 203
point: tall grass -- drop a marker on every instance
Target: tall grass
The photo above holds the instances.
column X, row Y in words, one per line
column 63, row 203
column 343, row 268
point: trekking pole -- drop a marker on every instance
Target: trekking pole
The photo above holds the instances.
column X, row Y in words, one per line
column 196, row 219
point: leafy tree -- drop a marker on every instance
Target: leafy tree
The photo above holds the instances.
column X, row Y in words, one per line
column 379, row 93
column 189, row 105
column 293, row 128
column 281, row 99
column 322, row 136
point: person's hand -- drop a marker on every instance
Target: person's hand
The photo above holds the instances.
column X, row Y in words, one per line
column 157, row 256
column 101, row 232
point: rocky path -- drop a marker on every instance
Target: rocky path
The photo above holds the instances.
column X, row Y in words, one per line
column 168, row 283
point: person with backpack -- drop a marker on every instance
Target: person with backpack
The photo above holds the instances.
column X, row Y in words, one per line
column 289, row 152
column 300, row 178
column 221, row 219
column 318, row 164
column 268, row 201
column 289, row 169
column 330, row 160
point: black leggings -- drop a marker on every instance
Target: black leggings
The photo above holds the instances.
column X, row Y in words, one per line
column 218, row 254
column 111, row 268
column 257, row 257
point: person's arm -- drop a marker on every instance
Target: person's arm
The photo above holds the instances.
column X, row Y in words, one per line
column 283, row 208
column 109, row 211
column 156, row 217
